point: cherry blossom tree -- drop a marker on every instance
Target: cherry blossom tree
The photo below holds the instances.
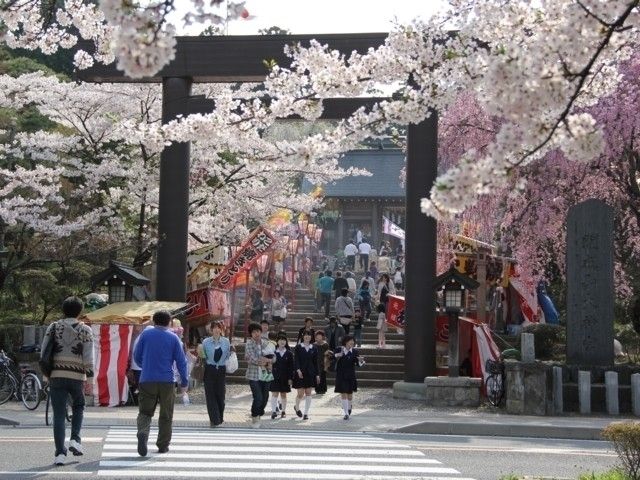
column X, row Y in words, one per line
column 535, row 65
column 92, row 183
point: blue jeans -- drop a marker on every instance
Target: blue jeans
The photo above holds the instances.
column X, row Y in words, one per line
column 60, row 389
column 260, row 392
column 357, row 336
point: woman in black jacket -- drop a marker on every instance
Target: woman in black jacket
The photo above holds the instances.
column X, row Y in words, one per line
column 282, row 376
column 306, row 374
column 347, row 359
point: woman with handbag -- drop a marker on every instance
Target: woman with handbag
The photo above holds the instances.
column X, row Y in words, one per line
column 345, row 310
column 216, row 350
column 278, row 310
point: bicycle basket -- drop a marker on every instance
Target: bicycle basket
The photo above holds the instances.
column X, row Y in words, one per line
column 494, row 367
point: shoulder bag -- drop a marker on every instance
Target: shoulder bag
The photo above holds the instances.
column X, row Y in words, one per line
column 46, row 355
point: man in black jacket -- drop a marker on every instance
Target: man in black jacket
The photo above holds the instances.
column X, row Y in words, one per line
column 339, row 283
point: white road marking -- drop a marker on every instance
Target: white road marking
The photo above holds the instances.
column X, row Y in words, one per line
column 248, row 454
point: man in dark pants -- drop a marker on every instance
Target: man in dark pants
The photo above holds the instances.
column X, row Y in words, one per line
column 325, row 287
column 256, row 362
column 72, row 365
column 157, row 350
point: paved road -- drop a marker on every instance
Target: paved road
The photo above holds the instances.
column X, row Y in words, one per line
column 202, row 453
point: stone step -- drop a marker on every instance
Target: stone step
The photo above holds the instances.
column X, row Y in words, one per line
column 362, row 373
column 365, row 382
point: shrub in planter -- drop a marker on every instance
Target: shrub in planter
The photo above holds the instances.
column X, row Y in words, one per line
column 625, row 437
column 545, row 336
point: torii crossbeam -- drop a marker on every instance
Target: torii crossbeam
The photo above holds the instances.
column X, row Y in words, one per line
column 228, row 59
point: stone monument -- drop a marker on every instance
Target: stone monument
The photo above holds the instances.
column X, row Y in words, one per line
column 590, row 291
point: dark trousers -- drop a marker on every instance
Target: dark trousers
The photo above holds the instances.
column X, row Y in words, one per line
column 364, row 261
column 351, row 262
column 260, row 392
column 365, row 308
column 60, row 389
column 322, row 386
column 214, row 392
column 345, row 326
column 325, row 301
column 152, row 393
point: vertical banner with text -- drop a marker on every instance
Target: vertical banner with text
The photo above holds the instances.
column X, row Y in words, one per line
column 259, row 242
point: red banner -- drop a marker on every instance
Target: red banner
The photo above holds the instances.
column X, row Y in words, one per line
column 260, row 241
column 209, row 302
column 395, row 311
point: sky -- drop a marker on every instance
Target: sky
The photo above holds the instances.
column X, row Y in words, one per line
column 324, row 16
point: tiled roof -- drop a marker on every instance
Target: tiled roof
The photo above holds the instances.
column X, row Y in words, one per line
column 385, row 165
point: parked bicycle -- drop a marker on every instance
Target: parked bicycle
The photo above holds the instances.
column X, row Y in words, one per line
column 27, row 388
column 495, row 381
column 48, row 411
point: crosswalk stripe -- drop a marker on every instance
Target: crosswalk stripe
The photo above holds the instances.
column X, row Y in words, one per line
column 248, row 454
column 309, row 465
column 284, row 475
column 265, row 448
column 244, row 440
column 257, row 456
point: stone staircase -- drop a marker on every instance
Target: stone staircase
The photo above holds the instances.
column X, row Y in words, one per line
column 383, row 366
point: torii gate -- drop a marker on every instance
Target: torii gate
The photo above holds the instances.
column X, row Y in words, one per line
column 228, row 59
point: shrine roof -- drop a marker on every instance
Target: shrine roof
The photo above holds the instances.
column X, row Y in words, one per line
column 385, row 166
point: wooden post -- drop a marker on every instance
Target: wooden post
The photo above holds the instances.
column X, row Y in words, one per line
column 454, row 367
column 246, row 306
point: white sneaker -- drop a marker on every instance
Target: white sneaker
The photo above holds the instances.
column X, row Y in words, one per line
column 75, row 448
column 60, row 459
column 255, row 422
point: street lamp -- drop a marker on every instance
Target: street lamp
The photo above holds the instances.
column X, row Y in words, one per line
column 292, row 247
column 261, row 265
column 303, row 222
column 454, row 285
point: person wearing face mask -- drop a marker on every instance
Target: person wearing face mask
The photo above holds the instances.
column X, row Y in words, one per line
column 282, row 376
column 347, row 358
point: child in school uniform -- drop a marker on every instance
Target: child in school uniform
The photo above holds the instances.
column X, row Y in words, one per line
column 306, row 374
column 381, row 326
column 282, row 376
column 347, row 359
column 323, row 348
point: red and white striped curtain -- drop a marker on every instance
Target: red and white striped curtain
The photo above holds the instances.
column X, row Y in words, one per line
column 112, row 349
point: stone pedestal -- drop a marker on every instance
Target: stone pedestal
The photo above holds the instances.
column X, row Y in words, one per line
column 528, row 388
column 452, row 391
column 409, row 390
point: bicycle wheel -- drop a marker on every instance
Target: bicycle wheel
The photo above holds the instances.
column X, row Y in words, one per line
column 494, row 390
column 48, row 415
column 7, row 387
column 30, row 391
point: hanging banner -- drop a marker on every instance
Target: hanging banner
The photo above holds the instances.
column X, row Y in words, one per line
column 392, row 229
column 395, row 311
column 260, row 241
column 209, row 303
column 111, row 351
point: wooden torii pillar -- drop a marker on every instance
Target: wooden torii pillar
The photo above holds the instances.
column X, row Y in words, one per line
column 228, row 59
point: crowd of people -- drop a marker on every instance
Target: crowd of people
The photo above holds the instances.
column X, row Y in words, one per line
column 354, row 304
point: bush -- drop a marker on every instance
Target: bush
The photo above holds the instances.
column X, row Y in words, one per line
column 625, row 437
column 545, row 338
column 610, row 475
